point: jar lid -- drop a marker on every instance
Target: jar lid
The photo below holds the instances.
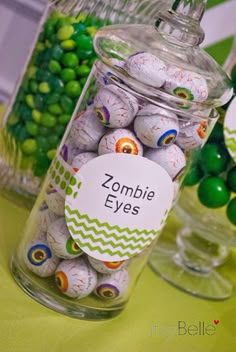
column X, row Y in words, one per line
column 164, row 60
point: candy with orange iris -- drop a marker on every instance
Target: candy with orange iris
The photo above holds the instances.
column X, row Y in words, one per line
column 192, row 134
column 75, row 278
column 120, row 141
column 107, row 267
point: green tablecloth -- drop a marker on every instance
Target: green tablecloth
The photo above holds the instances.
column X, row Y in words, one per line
column 28, row 326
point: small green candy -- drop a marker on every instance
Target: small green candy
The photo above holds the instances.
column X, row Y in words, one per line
column 73, row 89
column 83, row 70
column 13, row 119
column 54, row 66
column 39, row 101
column 36, row 115
column 84, row 54
column 55, row 109
column 213, row 158
column 70, row 60
column 62, row 22
column 194, row 175
column 231, row 211
column 32, row 128
column 48, row 120
column 33, row 86
column 42, row 143
column 56, row 84
column 29, row 146
column 91, row 30
column 57, row 52
column 84, row 42
column 65, row 32
column 213, row 192
column 53, row 98
column 51, row 154
column 79, row 28
column 68, row 74
column 42, row 75
column 30, row 100
column 67, row 104
column 31, row 72
column 44, row 131
column 68, row 44
column 231, row 179
column 59, row 129
column 53, row 140
column 44, row 88
column 64, row 119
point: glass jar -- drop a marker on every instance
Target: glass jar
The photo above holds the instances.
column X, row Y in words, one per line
column 147, row 107
column 47, row 92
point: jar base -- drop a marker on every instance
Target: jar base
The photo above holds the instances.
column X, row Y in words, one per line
column 208, row 285
column 39, row 294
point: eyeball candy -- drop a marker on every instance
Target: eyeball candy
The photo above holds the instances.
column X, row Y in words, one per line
column 86, row 131
column 112, row 286
column 156, row 127
column 106, row 267
column 120, row 141
column 115, row 107
column 55, row 202
column 171, row 158
column 186, row 84
column 61, row 242
column 81, row 159
column 45, row 217
column 69, row 150
column 147, row 69
column 75, row 278
column 192, row 134
column 39, row 257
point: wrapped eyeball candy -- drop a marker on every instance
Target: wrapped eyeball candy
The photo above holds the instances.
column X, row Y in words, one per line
column 86, row 131
column 146, row 68
column 192, row 134
column 120, row 141
column 115, row 107
column 171, row 158
column 55, row 202
column 186, row 84
column 106, row 267
column 81, row 159
column 69, row 150
column 39, row 257
column 102, row 80
column 75, row 278
column 61, row 242
column 156, row 127
column 112, row 286
column 45, row 217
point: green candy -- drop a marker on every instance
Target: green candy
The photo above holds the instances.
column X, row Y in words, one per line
column 13, row 119
column 62, row 22
column 36, row 116
column 68, row 74
column 42, row 143
column 32, row 128
column 54, row 66
column 25, row 112
column 68, row 44
column 231, row 179
column 83, row 81
column 55, row 109
column 231, row 211
column 213, row 192
column 64, row 119
column 83, row 70
column 84, row 42
column 84, row 54
column 29, row 146
column 51, row 154
column 73, row 89
column 194, row 175
column 33, row 86
column 42, row 163
column 31, row 72
column 67, row 104
column 65, row 32
column 53, row 140
column 44, row 131
column 59, row 130
column 56, row 52
column 217, row 134
column 30, row 100
column 213, row 159
column 42, row 75
column 40, row 101
column 56, row 84
column 53, row 98
column 70, row 60
column 48, row 120
column 79, row 28
column 44, row 88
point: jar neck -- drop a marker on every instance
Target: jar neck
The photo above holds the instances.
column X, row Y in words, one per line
column 181, row 22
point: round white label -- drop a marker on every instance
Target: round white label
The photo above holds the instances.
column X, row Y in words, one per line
column 230, row 129
column 117, row 204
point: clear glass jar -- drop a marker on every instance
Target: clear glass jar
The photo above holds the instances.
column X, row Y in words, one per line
column 146, row 109
column 47, row 92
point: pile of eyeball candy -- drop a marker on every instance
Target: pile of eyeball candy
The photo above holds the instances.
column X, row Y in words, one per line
column 116, row 122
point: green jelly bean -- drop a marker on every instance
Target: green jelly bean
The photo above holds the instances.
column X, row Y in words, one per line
column 56, row 84
column 213, row 158
column 56, row 52
column 43, row 75
column 231, row 179
column 213, row 192
column 92, row 60
column 83, row 70
column 40, row 46
column 62, row 22
column 49, row 28
column 79, row 28
column 91, row 30
column 25, row 84
column 65, row 32
column 68, row 44
column 64, row 119
column 13, row 119
column 53, row 98
column 83, row 81
column 45, row 55
column 54, row 66
column 53, row 140
column 25, row 112
column 70, row 60
column 231, row 211
column 29, row 146
column 31, row 72
column 55, row 109
column 59, row 130
column 84, row 54
column 56, row 15
column 32, row 128
column 68, row 74
column 42, row 143
column 40, row 101
column 33, row 86
column 42, row 163
column 67, row 104
column 194, row 175
column 30, row 100
column 44, row 131
column 44, row 88
column 36, row 116
column 51, row 154
column 73, row 89
column 48, row 120
column 84, row 42
column 21, row 95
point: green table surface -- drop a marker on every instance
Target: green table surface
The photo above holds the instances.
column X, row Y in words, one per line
column 28, row 326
